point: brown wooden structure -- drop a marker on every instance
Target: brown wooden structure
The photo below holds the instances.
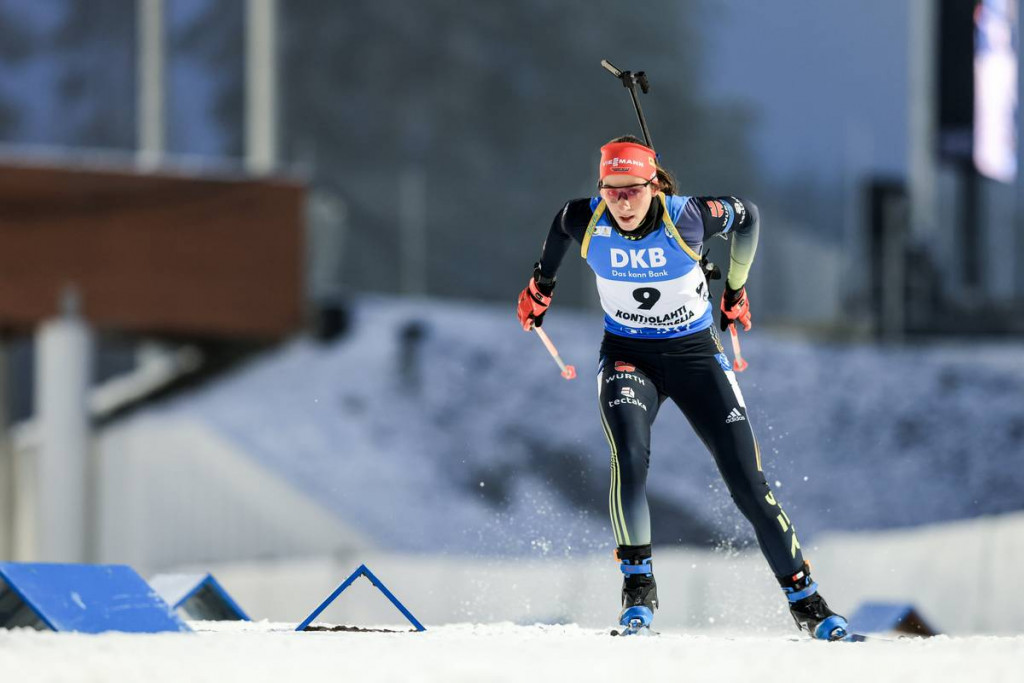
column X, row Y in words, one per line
column 155, row 253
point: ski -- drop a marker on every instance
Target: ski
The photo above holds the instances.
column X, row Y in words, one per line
column 634, row 629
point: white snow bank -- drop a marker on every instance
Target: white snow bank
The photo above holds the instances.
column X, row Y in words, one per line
column 478, row 446
column 271, row 653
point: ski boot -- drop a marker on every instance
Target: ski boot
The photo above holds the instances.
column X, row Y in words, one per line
column 810, row 611
column 639, row 590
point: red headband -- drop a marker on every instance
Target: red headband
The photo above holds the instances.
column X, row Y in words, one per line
column 627, row 158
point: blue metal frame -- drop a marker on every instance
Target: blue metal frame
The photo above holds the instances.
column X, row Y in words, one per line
column 362, row 570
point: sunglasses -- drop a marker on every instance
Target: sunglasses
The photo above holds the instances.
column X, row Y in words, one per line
column 613, row 194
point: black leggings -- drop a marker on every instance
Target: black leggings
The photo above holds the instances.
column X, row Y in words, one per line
column 637, row 375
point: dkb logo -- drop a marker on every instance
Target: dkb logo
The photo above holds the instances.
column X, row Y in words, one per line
column 638, row 258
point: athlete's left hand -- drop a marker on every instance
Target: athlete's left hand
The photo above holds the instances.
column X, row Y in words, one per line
column 735, row 307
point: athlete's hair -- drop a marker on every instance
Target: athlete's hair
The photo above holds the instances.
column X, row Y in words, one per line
column 666, row 183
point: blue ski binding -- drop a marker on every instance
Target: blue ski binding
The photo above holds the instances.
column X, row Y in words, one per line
column 635, row 620
column 834, row 627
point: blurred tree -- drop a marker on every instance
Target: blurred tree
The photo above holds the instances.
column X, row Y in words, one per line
column 95, row 47
column 502, row 106
column 15, row 48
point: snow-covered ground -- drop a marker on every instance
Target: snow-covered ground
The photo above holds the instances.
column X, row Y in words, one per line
column 263, row 651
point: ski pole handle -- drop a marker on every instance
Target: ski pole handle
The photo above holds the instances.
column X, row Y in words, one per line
column 739, row 365
column 568, row 371
column 608, row 65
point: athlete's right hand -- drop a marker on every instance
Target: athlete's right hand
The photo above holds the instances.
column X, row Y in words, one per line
column 534, row 301
column 735, row 308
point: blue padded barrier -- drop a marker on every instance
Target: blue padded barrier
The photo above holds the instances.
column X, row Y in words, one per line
column 198, row 596
column 890, row 617
column 82, row 597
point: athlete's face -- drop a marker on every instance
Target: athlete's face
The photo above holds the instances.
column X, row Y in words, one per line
column 629, row 204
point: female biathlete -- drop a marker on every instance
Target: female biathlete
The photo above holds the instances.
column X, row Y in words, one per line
column 643, row 241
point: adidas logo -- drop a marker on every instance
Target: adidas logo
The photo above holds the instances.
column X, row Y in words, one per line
column 734, row 416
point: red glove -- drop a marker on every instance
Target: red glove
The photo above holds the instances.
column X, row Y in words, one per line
column 534, row 301
column 735, row 307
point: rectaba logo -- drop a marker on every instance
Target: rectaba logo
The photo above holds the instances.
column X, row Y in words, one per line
column 628, row 398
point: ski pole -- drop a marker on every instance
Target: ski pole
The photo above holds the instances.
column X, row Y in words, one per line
column 568, row 371
column 739, row 365
column 631, row 80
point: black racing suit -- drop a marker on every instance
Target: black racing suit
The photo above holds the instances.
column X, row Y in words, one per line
column 637, row 375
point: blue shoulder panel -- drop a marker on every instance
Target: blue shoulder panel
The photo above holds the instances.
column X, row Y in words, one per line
column 676, row 204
